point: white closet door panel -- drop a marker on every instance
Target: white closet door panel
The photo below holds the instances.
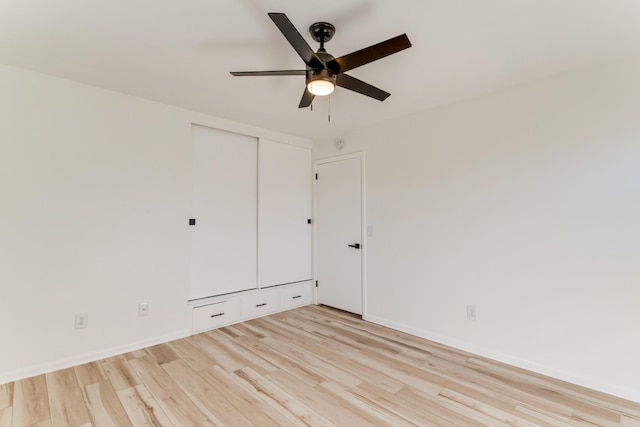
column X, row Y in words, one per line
column 284, row 206
column 225, row 207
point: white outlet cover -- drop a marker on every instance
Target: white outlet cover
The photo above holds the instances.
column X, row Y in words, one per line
column 82, row 320
column 143, row 309
column 471, row 312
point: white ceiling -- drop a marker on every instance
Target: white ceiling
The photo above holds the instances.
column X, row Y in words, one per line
column 180, row 52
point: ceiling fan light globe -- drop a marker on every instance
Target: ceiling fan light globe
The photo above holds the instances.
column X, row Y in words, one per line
column 321, row 87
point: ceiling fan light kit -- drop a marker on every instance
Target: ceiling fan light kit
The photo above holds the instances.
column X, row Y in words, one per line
column 321, row 83
column 323, row 72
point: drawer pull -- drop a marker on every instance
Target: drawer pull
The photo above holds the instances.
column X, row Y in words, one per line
column 296, row 297
column 261, row 305
column 216, row 315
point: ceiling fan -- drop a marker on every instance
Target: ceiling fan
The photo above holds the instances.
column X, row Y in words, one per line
column 324, row 72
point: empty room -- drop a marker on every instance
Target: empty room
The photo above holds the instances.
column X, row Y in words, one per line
column 346, row 213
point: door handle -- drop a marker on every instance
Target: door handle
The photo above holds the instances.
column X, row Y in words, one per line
column 355, row 245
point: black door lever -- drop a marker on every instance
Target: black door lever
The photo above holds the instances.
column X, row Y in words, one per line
column 355, row 245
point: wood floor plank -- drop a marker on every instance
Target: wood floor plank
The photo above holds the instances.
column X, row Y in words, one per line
column 504, row 418
column 529, row 390
column 258, row 412
column 326, row 333
column 404, row 372
column 247, row 329
column 543, row 418
column 284, row 361
column 222, row 358
column 467, row 376
column 65, row 399
column 365, row 373
column 279, row 397
column 311, row 366
column 174, row 402
column 579, row 398
column 211, row 400
column 405, row 409
column 314, row 362
column 120, row 373
column 89, row 373
column 6, row 416
column 30, row 401
column 401, row 338
column 161, row 353
column 366, row 408
column 457, row 376
column 312, row 397
column 454, row 413
column 6, row 395
column 629, row 421
column 240, row 354
column 284, row 328
column 104, row 406
column 196, row 359
column 135, row 354
column 142, row 409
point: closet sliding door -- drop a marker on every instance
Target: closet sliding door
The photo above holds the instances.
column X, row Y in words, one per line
column 284, row 214
column 224, row 205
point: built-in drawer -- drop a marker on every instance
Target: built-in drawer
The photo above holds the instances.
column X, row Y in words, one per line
column 216, row 314
column 296, row 295
column 260, row 303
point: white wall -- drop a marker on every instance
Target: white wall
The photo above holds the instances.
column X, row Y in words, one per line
column 525, row 203
column 95, row 193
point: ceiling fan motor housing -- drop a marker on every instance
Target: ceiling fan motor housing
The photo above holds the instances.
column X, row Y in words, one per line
column 324, row 74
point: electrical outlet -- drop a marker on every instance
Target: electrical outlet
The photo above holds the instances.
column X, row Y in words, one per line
column 82, row 320
column 471, row 312
column 143, row 309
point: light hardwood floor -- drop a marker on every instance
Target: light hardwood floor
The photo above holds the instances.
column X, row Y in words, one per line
column 310, row 366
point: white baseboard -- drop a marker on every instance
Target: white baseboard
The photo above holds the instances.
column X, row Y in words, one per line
column 588, row 382
column 68, row 362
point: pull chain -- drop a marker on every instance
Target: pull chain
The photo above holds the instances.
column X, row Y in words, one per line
column 329, row 117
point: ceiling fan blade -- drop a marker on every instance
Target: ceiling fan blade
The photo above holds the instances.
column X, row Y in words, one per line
column 269, row 73
column 369, row 54
column 307, row 97
column 351, row 83
column 295, row 40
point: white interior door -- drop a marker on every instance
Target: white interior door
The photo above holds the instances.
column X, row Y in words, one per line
column 224, row 204
column 339, row 234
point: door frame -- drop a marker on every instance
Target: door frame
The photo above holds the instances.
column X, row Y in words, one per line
column 363, row 224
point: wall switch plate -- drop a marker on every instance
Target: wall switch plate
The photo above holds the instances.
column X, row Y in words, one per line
column 82, row 320
column 143, row 309
column 471, row 312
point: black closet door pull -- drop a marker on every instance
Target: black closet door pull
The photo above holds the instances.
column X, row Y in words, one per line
column 355, row 245
column 261, row 305
column 216, row 315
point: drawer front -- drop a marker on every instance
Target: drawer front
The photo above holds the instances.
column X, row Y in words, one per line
column 296, row 295
column 215, row 315
column 260, row 303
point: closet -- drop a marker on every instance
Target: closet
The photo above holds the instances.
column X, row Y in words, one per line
column 251, row 227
